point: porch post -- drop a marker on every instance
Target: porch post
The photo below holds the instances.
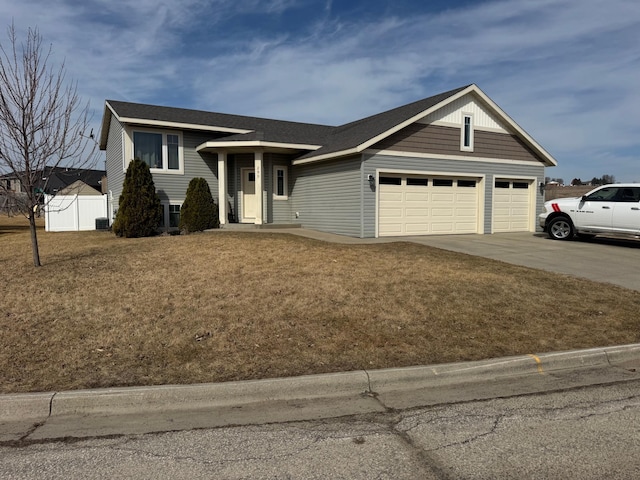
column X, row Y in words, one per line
column 222, row 186
column 259, row 185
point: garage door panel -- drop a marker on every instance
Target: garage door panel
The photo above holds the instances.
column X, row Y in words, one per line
column 511, row 206
column 392, row 229
column 442, row 197
column 391, row 213
column 442, row 212
column 417, row 207
column 465, row 227
column 416, row 197
column 465, row 212
column 416, row 214
column 466, row 197
column 442, row 228
column 390, row 196
column 416, row 228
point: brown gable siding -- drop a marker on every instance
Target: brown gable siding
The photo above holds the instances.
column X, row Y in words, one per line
column 419, row 138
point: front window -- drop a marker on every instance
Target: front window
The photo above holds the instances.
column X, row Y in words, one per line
column 172, row 152
column 159, row 150
column 148, row 148
column 280, row 182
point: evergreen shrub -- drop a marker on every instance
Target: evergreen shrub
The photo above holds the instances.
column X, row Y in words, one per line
column 199, row 212
column 139, row 210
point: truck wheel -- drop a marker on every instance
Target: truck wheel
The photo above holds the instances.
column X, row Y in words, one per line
column 560, row 228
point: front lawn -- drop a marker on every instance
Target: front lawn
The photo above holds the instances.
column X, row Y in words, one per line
column 106, row 311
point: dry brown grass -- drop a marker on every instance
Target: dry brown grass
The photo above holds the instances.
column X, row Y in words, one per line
column 106, row 311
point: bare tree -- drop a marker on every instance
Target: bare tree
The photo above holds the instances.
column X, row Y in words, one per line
column 42, row 123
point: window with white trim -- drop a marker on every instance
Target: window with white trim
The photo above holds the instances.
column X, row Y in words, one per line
column 466, row 136
column 280, row 184
column 170, row 215
column 162, row 151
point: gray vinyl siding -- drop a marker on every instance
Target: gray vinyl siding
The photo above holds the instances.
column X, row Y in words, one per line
column 114, row 162
column 172, row 188
column 435, row 139
column 278, row 210
column 327, row 195
column 490, row 171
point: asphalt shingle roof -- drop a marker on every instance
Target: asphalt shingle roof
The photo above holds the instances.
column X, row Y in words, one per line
column 331, row 139
column 273, row 130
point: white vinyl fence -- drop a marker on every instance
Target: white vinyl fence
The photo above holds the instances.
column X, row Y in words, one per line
column 71, row 213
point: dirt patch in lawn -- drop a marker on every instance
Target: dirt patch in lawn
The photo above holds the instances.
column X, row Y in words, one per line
column 106, row 311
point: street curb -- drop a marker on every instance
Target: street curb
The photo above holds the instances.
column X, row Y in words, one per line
column 37, row 407
column 121, row 401
column 34, row 407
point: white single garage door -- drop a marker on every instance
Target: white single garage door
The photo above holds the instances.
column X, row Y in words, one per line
column 512, row 206
column 426, row 205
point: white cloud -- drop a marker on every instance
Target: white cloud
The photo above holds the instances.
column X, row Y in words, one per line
column 566, row 71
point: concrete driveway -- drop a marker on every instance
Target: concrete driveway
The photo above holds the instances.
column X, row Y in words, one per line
column 600, row 259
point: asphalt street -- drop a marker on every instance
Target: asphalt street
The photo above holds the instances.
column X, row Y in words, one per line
column 583, row 433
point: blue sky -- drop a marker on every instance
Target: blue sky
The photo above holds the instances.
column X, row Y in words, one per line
column 566, row 71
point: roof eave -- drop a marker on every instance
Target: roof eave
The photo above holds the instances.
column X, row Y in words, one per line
column 212, row 146
column 178, row 125
column 106, row 124
column 327, row 156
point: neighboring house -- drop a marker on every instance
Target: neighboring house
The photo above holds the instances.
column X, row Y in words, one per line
column 79, row 188
column 451, row 163
column 52, row 179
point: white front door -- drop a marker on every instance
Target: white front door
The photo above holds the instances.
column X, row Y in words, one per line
column 248, row 195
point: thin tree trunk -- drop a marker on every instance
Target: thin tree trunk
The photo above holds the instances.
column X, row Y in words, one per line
column 34, row 239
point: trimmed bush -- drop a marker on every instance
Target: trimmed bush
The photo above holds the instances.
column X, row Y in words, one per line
column 139, row 210
column 199, row 212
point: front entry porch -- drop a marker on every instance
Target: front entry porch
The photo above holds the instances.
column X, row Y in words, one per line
column 250, row 205
column 253, row 180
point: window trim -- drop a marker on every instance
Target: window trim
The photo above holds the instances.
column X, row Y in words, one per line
column 285, row 170
column 130, row 152
column 467, row 134
column 166, row 215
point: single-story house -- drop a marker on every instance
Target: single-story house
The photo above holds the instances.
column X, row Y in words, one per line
column 452, row 163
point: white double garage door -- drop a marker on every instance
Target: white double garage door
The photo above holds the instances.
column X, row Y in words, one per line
column 442, row 205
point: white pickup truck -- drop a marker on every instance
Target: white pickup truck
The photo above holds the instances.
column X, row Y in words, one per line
column 607, row 210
